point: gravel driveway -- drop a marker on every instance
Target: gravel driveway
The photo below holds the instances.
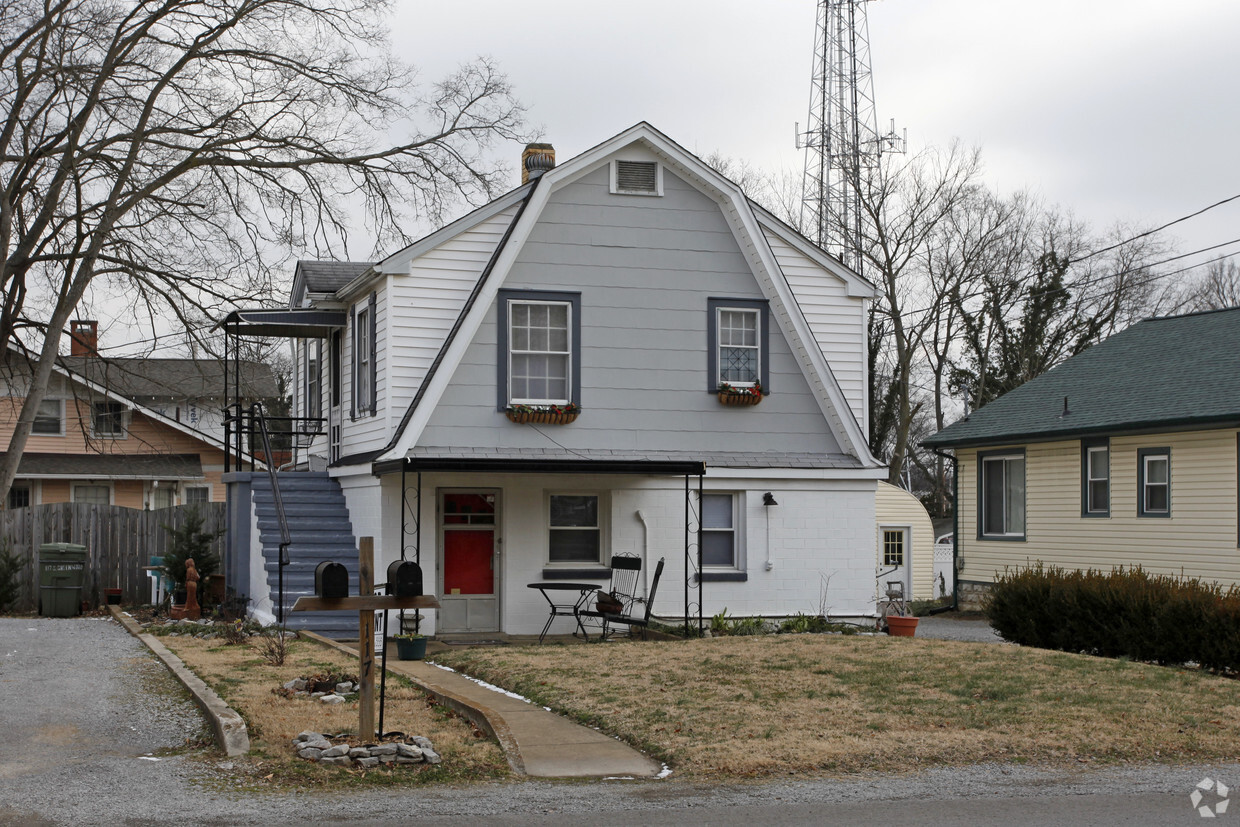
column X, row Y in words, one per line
column 953, row 627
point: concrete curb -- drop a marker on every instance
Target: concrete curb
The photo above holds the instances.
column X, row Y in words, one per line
column 485, row 718
column 230, row 731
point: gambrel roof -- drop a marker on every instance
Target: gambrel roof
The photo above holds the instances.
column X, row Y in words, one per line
column 751, row 226
column 1170, row 373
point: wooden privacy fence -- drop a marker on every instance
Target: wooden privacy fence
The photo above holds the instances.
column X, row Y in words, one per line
column 119, row 541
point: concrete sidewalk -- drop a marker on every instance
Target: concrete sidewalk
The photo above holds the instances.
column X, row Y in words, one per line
column 536, row 742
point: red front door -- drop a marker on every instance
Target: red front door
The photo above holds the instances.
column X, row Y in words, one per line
column 470, row 580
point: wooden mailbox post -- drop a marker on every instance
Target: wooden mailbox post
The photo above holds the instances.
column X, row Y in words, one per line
column 366, row 603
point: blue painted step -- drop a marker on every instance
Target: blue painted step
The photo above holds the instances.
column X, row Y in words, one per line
column 320, row 530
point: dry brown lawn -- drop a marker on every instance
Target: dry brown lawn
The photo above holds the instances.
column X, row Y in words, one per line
column 806, row 704
column 245, row 681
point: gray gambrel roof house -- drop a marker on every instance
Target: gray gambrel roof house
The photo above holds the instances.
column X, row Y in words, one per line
column 1170, row 373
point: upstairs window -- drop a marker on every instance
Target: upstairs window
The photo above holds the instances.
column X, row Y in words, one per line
column 1154, row 482
column 364, row 361
column 738, row 346
column 539, row 348
column 636, row 178
column 108, row 420
column 1096, row 478
column 1001, row 511
column 49, row 419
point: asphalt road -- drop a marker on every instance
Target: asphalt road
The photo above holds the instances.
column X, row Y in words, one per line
column 84, row 708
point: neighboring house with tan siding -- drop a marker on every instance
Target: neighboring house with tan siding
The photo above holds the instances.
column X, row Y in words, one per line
column 1126, row 455
column 92, row 442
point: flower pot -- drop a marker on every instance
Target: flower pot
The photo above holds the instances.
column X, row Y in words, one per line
column 411, row 649
column 541, row 417
column 732, row 398
column 898, row 626
column 112, row 596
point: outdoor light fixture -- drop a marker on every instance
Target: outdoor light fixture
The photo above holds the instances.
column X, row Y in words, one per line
column 769, row 499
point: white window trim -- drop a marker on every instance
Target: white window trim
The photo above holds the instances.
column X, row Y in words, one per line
column 187, row 486
column 124, row 420
column 719, row 345
column 905, row 533
column 1005, row 458
column 61, row 418
column 603, row 510
column 737, row 531
column 568, row 353
column 361, row 360
column 1090, row 479
column 614, row 184
column 1146, row 484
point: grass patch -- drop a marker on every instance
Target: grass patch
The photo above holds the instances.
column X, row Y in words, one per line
column 241, row 676
column 807, row 704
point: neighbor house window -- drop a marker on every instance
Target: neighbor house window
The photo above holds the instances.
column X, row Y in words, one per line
column 196, row 495
column 1154, row 482
column 539, row 348
column 1095, row 478
column 92, row 494
column 108, row 419
column 738, row 344
column 49, row 419
column 19, row 495
column 575, row 533
column 364, row 361
column 893, row 547
column 1001, row 510
column 162, row 497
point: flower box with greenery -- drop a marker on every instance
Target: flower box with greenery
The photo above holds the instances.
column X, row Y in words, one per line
column 543, row 414
column 734, row 395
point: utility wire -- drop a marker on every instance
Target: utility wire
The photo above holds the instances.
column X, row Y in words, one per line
column 1140, row 236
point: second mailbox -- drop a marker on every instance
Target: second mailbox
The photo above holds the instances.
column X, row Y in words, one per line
column 404, row 579
column 331, row 580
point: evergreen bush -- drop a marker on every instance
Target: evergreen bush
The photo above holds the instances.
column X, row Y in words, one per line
column 1125, row 613
column 10, row 567
column 189, row 540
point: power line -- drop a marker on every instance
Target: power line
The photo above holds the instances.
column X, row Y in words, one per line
column 1140, row 236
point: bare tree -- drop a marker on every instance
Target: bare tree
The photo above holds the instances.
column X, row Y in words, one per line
column 1217, row 288
column 173, row 148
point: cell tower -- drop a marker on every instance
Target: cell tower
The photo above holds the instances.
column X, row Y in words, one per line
column 843, row 142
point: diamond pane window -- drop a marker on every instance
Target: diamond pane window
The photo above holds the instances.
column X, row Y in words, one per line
column 739, row 362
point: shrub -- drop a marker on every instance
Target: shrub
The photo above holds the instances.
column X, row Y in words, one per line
column 10, row 567
column 190, row 541
column 1126, row 613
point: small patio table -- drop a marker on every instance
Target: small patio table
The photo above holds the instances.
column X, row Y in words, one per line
column 561, row 605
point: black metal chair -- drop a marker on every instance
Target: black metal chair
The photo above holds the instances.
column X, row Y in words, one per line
column 625, row 574
column 634, row 615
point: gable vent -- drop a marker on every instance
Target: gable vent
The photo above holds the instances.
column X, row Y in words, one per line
column 637, row 177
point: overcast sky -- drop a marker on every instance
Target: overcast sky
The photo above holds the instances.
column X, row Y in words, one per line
column 1120, row 110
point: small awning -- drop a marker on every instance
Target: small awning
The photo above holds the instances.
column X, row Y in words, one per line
column 302, row 323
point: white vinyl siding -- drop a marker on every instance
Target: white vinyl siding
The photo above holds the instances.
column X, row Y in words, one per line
column 1198, row 538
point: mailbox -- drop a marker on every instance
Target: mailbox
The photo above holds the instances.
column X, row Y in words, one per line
column 331, row 580
column 404, row 579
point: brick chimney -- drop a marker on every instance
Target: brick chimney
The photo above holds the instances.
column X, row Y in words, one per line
column 83, row 337
column 535, row 160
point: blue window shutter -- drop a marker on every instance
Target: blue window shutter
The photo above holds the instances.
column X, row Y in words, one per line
column 374, row 363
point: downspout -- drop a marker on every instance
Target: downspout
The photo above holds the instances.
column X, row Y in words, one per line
column 955, row 528
column 645, row 552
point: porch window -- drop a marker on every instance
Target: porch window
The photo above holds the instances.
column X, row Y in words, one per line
column 92, row 494
column 197, row 495
column 574, row 529
column 1154, row 482
column 1001, row 496
column 719, row 530
column 19, row 495
column 738, row 344
column 539, row 348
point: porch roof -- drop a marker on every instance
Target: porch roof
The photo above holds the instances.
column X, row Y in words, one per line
column 111, row 466
column 298, row 323
column 601, row 461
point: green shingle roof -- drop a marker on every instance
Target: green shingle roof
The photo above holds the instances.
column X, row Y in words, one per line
column 1170, row 373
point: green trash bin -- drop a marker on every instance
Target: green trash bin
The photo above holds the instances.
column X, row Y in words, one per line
column 62, row 576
